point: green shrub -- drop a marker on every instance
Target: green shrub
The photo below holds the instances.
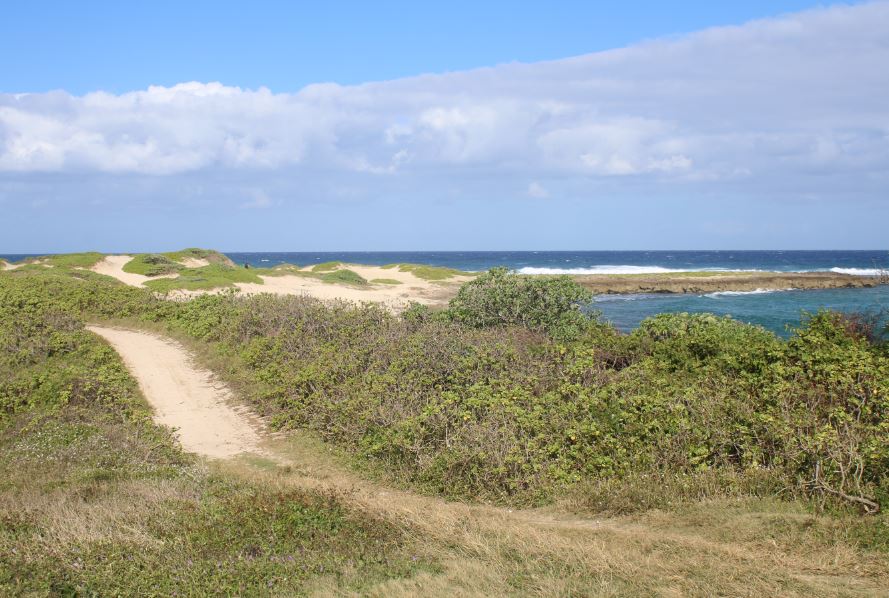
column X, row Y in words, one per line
column 152, row 264
column 425, row 272
column 344, row 277
column 326, row 266
column 213, row 276
column 541, row 304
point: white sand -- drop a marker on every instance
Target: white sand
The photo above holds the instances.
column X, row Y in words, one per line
column 396, row 296
column 112, row 265
column 193, row 262
column 184, row 396
column 4, row 265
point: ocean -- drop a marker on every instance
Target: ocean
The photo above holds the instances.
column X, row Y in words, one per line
column 776, row 310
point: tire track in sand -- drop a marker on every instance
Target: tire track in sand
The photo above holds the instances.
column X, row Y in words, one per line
column 184, row 396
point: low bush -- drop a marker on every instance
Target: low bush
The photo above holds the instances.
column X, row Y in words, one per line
column 506, row 412
column 541, row 304
column 152, row 264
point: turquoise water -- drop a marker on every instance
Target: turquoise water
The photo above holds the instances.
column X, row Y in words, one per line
column 775, row 310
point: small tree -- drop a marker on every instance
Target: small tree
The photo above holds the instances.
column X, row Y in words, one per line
column 499, row 297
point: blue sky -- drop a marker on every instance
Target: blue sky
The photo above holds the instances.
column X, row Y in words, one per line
column 462, row 125
column 117, row 46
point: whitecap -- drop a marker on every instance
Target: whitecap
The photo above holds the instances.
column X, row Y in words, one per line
column 858, row 271
column 736, row 293
column 620, row 270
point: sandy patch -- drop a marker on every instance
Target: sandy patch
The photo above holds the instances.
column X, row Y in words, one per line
column 184, row 396
column 193, row 262
column 4, row 265
column 396, row 295
column 112, row 265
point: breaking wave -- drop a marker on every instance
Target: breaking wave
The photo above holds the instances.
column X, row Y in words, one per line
column 858, row 271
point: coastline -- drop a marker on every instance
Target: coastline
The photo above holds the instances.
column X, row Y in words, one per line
column 713, row 282
column 197, row 271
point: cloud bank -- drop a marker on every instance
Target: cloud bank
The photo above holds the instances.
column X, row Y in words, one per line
column 795, row 106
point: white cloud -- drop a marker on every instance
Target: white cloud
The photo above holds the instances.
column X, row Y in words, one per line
column 537, row 191
column 799, row 99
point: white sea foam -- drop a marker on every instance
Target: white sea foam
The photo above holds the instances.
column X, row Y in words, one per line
column 621, row 270
column 858, row 271
column 601, row 270
column 736, row 293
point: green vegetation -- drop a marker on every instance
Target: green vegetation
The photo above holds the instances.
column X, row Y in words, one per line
column 152, row 264
column 157, row 264
column 206, row 277
column 96, row 500
column 787, row 438
column 428, row 272
column 385, row 281
column 62, row 260
column 214, row 257
column 344, row 277
column 326, row 266
column 505, row 414
column 281, row 270
column 74, row 260
column 500, row 298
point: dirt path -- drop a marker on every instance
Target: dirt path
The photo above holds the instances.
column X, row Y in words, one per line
column 487, row 550
column 184, row 396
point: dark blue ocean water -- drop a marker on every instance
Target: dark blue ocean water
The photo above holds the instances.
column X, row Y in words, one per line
column 592, row 261
column 775, row 310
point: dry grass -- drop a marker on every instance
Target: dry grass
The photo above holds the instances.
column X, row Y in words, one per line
column 728, row 547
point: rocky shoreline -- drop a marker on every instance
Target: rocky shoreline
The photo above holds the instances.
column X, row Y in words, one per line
column 710, row 282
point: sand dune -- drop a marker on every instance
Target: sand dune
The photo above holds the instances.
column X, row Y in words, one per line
column 112, row 265
column 396, row 296
column 193, row 262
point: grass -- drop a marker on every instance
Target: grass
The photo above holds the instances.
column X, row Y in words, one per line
column 95, row 500
column 69, row 260
column 199, row 254
column 326, row 266
column 425, row 272
column 152, row 264
column 384, row 281
column 158, row 264
column 347, row 277
column 206, row 277
column 281, row 270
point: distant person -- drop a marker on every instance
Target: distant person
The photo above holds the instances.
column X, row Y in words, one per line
column 247, row 265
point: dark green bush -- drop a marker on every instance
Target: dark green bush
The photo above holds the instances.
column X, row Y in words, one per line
column 541, row 304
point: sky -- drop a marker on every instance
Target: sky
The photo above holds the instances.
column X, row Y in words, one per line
column 453, row 126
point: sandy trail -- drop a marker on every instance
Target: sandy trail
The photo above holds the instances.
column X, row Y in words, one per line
column 184, row 396
column 477, row 544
